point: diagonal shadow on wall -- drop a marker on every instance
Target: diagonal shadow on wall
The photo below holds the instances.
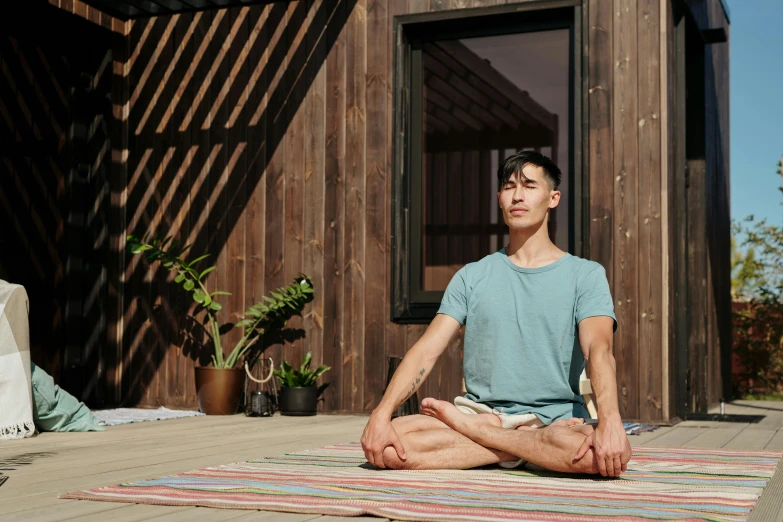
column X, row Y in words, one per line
column 211, row 97
column 184, row 124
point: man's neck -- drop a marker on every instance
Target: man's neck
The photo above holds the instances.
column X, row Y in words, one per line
column 532, row 248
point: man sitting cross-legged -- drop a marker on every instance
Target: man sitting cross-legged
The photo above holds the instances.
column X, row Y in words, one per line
column 533, row 315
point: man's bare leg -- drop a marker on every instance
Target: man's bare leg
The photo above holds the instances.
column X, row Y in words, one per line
column 431, row 444
column 410, row 423
column 442, row 449
column 552, row 447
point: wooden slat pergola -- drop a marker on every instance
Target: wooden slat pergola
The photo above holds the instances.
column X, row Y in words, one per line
column 132, row 9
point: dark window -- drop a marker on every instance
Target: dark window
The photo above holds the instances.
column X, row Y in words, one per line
column 469, row 92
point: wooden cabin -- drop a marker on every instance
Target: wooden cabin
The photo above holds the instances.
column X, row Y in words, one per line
column 356, row 141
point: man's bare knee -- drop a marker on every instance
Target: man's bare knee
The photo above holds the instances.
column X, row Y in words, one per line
column 393, row 461
column 398, row 425
column 568, row 441
column 586, row 464
column 403, row 425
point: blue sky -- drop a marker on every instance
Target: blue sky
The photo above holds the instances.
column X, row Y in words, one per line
column 756, row 91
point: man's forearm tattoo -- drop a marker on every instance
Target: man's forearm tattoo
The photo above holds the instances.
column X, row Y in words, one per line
column 414, row 384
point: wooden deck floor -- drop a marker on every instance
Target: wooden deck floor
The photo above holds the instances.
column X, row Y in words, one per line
column 42, row 467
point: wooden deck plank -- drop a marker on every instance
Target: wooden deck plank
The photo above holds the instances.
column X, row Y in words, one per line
column 776, row 442
column 133, row 513
column 716, row 437
column 63, row 511
column 773, row 414
column 772, row 420
column 748, row 408
column 170, row 446
column 201, row 514
column 15, row 512
column 126, row 469
column 750, row 439
column 642, row 439
column 139, row 468
column 676, row 437
column 767, row 405
column 185, row 431
column 699, row 424
column 125, row 432
column 164, row 449
column 92, row 465
column 194, row 427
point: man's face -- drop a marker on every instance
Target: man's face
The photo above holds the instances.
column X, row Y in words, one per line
column 527, row 197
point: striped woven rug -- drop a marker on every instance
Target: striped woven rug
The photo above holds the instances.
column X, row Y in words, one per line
column 661, row 483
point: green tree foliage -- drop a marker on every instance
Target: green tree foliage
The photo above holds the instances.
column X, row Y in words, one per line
column 746, row 274
column 757, row 289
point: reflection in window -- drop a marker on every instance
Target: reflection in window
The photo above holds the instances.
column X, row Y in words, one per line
column 485, row 98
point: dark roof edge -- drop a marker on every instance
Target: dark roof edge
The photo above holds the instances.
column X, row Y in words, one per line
column 726, row 11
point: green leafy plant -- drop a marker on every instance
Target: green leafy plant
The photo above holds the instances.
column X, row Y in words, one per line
column 303, row 377
column 268, row 315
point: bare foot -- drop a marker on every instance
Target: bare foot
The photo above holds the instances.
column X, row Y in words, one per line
column 573, row 421
column 585, row 429
column 576, row 424
column 447, row 413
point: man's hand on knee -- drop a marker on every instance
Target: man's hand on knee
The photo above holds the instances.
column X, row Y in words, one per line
column 610, row 446
column 379, row 435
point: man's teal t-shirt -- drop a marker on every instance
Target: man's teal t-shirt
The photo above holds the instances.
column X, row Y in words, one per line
column 521, row 351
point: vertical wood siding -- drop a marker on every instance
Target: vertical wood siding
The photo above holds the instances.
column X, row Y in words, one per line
column 625, row 123
column 262, row 135
column 651, row 288
column 314, row 160
column 712, row 299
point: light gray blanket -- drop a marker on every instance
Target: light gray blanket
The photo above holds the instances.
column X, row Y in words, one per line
column 16, row 401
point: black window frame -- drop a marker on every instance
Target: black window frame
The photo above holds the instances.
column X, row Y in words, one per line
column 410, row 304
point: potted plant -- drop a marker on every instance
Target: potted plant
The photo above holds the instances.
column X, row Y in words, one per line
column 298, row 392
column 219, row 388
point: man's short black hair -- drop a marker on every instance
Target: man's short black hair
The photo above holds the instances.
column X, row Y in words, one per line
column 516, row 162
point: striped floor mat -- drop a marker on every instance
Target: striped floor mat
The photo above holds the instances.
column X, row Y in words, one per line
column 661, row 483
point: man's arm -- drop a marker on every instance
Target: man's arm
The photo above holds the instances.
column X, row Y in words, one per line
column 410, row 374
column 417, row 364
column 595, row 337
column 611, row 445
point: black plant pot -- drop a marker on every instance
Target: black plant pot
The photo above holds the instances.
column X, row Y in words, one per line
column 298, row 401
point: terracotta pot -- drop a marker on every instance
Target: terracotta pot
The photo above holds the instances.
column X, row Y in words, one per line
column 298, row 401
column 219, row 390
